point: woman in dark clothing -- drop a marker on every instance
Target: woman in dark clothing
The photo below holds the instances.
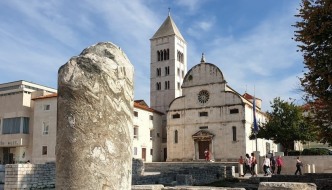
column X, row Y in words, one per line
column 299, row 164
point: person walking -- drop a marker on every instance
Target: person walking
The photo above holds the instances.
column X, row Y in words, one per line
column 253, row 165
column 299, row 164
column 241, row 162
column 247, row 165
column 207, row 155
column 279, row 164
column 266, row 166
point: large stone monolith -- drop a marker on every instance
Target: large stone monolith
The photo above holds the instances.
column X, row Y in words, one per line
column 95, row 104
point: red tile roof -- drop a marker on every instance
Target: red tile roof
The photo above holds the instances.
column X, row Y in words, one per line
column 46, row 96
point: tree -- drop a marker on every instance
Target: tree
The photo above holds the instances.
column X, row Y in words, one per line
column 286, row 124
column 314, row 32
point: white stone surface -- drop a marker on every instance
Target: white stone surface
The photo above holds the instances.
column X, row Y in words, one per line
column 286, row 186
column 95, row 109
column 216, row 129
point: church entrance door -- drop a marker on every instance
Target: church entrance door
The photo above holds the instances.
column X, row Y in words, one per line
column 202, row 145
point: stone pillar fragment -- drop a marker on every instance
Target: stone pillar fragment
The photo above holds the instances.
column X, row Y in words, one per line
column 94, row 124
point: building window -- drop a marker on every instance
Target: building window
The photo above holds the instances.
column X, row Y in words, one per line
column 182, row 74
column 26, row 125
column 44, row 150
column 179, row 72
column 167, row 53
column 151, row 117
column 166, row 85
column 135, row 150
column 234, row 111
column 203, row 96
column 135, row 113
column 166, row 71
column 12, row 125
column 158, row 135
column 158, row 86
column 158, row 71
column 179, row 86
column 47, row 107
column 45, row 128
column 135, row 132
column 234, row 133
column 204, row 127
column 163, row 55
column 151, row 151
column 176, row 138
column 180, row 57
column 151, row 134
column 176, row 116
column 203, row 114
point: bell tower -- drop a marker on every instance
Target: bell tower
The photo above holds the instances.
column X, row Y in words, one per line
column 168, row 65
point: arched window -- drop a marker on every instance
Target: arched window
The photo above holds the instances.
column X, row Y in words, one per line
column 234, row 133
column 158, row 71
column 158, row 53
column 176, row 138
column 158, row 86
column 165, row 55
column 161, row 55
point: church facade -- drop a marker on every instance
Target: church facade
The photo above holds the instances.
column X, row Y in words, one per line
column 212, row 116
column 202, row 112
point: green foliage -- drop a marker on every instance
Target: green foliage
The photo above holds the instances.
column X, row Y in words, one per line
column 315, row 42
column 316, row 151
column 286, row 124
column 294, row 153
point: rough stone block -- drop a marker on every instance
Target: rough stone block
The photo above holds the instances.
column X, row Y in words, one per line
column 147, row 187
column 94, row 121
column 286, row 186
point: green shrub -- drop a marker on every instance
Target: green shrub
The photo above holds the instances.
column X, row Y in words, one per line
column 316, row 151
column 294, row 153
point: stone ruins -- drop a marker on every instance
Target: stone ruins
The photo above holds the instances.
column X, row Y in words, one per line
column 95, row 103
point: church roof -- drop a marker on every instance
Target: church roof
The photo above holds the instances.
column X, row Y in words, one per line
column 168, row 28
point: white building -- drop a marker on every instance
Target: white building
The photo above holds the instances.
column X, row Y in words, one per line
column 211, row 115
column 167, row 70
column 44, row 128
column 16, row 119
column 147, row 137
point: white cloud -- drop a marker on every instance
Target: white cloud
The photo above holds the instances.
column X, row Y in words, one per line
column 264, row 57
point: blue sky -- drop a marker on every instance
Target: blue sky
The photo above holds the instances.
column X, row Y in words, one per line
column 250, row 41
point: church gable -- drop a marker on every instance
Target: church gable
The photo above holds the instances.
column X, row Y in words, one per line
column 203, row 74
column 202, row 134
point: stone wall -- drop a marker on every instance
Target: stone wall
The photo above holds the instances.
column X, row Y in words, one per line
column 322, row 164
column 138, row 167
column 322, row 180
column 30, row 176
column 189, row 173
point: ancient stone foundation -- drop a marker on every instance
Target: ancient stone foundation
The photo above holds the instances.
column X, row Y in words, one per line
column 95, row 105
column 30, row 176
column 286, row 186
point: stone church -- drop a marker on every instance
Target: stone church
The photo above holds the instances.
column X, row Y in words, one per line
column 201, row 110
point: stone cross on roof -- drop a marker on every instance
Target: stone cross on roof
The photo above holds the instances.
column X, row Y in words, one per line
column 203, row 58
